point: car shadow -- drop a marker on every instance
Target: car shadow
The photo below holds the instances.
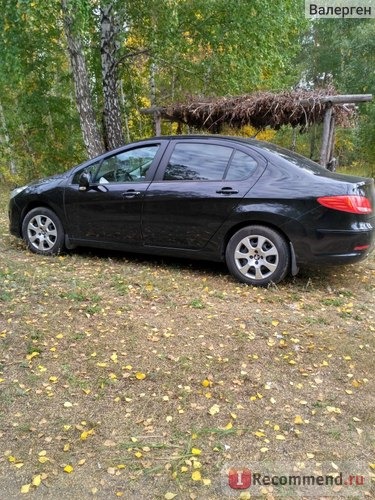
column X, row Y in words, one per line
column 307, row 276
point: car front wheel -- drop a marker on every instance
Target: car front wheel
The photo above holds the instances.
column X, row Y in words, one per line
column 43, row 231
column 258, row 255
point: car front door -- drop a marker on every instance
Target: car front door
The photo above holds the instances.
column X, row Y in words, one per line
column 108, row 212
column 195, row 189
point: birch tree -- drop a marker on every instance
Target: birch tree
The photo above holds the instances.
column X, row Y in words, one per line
column 90, row 130
column 109, row 45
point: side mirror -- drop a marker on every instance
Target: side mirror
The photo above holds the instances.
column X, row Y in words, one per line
column 84, row 181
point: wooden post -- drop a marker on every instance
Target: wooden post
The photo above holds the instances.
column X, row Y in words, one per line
column 157, row 123
column 331, row 143
column 324, row 152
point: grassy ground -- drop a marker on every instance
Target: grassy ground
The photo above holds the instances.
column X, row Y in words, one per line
column 149, row 378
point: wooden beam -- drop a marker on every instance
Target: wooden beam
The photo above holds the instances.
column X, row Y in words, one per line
column 337, row 99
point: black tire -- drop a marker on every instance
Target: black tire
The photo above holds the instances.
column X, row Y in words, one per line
column 43, row 232
column 258, row 255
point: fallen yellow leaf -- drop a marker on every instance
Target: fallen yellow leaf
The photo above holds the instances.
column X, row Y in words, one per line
column 32, row 355
column 196, row 475
column 86, row 434
column 298, row 420
column 68, row 469
column 206, row 383
column 36, row 480
column 169, row 495
column 214, row 409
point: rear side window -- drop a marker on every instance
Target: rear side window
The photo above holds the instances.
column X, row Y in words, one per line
column 241, row 167
column 198, row 162
column 208, row 162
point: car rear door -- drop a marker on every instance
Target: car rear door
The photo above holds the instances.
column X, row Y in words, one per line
column 196, row 187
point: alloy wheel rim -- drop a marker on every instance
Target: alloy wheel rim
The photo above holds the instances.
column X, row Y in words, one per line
column 256, row 257
column 42, row 232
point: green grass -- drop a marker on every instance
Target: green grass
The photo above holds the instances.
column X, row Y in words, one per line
column 161, row 357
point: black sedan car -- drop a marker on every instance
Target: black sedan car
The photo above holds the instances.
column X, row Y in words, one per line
column 260, row 208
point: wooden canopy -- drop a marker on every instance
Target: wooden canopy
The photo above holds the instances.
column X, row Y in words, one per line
column 298, row 108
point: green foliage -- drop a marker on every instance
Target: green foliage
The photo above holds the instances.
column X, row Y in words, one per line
column 200, row 47
column 342, row 52
column 35, row 92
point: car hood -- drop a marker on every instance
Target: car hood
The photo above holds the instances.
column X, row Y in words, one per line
column 47, row 180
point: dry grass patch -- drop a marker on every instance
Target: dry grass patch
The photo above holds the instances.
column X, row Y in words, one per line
column 143, row 378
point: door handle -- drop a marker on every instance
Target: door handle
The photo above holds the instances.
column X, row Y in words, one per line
column 131, row 193
column 227, row 190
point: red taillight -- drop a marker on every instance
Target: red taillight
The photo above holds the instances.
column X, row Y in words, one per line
column 354, row 204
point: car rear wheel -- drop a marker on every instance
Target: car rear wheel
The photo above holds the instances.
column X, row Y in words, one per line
column 258, row 255
column 43, row 231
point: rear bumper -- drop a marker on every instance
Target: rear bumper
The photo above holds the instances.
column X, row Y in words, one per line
column 338, row 246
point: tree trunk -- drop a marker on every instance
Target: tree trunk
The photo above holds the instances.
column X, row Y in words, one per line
column 4, row 138
column 156, row 114
column 112, row 123
column 90, row 131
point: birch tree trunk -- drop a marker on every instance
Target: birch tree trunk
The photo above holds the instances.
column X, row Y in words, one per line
column 4, row 138
column 112, row 123
column 90, row 131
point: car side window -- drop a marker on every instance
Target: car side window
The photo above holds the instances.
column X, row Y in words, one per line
column 241, row 166
column 197, row 162
column 129, row 166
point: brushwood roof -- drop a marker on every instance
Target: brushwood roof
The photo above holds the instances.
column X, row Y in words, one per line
column 297, row 108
